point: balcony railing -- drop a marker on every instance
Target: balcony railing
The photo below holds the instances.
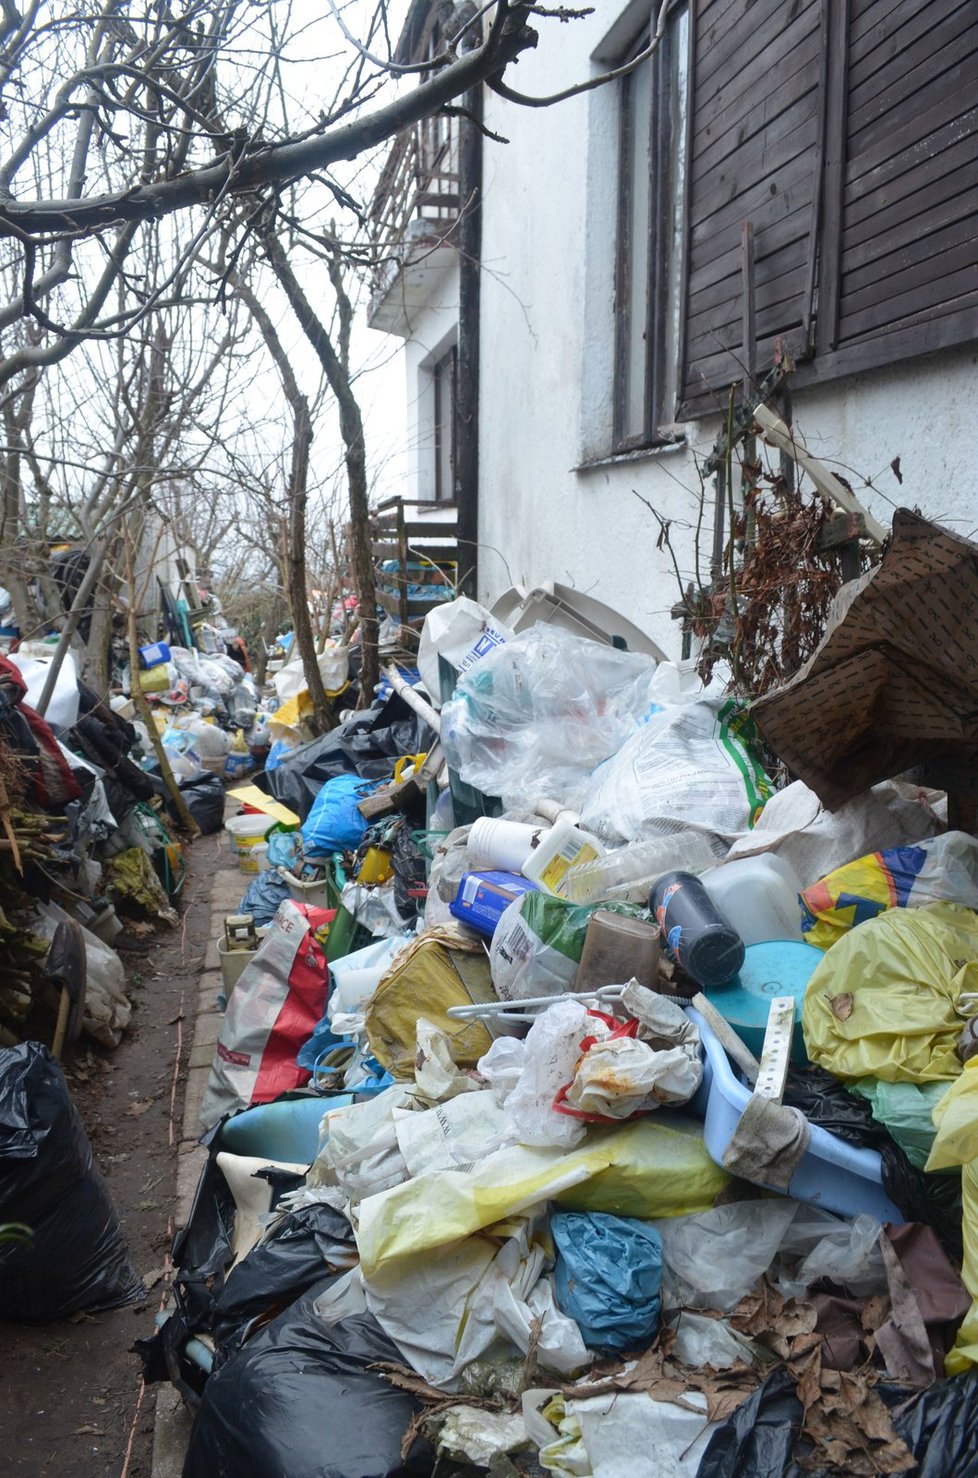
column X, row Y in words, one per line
column 416, row 203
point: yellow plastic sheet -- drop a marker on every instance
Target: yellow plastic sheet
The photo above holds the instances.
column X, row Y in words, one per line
column 646, row 1169
column 956, row 1143
column 882, row 1002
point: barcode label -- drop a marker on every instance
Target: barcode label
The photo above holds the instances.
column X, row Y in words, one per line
column 518, row 945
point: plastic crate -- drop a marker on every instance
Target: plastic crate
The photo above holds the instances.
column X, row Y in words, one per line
column 832, row 1174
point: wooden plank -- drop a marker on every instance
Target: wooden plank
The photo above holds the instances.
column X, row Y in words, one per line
column 722, row 125
column 438, row 554
column 769, row 274
column 950, row 176
column 922, row 68
column 768, row 30
column 719, row 144
column 958, row 324
column 764, row 201
column 390, row 603
column 869, row 17
column 794, row 133
column 896, row 48
column 952, row 98
column 926, row 237
column 434, row 530
column 925, row 293
column 705, row 391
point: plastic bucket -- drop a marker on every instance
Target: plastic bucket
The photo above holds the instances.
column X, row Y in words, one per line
column 253, row 859
column 501, row 846
column 247, row 831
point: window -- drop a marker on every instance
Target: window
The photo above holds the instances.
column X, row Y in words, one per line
column 649, row 236
column 443, row 378
column 846, row 135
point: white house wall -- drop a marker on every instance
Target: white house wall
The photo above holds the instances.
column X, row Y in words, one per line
column 432, row 329
column 546, row 372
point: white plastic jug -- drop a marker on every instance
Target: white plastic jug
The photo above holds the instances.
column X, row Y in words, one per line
column 759, row 895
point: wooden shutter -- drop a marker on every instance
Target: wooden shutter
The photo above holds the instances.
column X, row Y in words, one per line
column 900, row 246
column 756, row 104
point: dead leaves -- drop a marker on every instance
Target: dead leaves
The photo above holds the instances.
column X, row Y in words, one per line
column 846, row 1422
column 842, row 1006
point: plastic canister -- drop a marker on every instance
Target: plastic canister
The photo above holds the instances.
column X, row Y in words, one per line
column 502, row 846
column 704, row 943
column 618, row 949
column 760, row 894
column 564, row 846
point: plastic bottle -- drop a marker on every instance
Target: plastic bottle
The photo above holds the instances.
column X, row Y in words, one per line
column 705, row 944
column 502, row 846
column 563, row 847
column 239, row 756
column 760, row 895
column 639, row 865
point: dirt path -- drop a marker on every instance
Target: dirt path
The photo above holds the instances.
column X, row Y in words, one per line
column 69, row 1392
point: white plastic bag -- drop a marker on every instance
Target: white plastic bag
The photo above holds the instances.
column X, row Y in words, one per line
column 62, row 709
column 552, row 1050
column 535, row 716
column 444, row 1312
column 687, row 765
column 624, row 1076
column 522, row 964
column 461, row 631
column 815, row 841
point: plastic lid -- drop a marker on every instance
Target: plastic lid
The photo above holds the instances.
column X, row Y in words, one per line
column 778, row 967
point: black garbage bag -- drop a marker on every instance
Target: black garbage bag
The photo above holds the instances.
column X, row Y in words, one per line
column 939, row 1427
column 761, row 1438
column 366, row 744
column 205, row 799
column 277, row 1272
column 933, row 1198
column 758, row 1439
column 300, row 1399
column 75, row 1257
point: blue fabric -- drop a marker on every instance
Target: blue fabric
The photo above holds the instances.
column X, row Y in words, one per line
column 607, row 1278
column 334, row 824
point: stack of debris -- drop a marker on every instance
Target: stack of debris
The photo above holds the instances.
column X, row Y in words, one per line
column 597, row 1087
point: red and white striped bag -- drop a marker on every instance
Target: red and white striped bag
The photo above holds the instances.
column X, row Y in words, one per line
column 273, row 1011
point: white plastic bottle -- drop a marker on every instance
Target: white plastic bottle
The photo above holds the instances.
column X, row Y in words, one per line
column 562, row 847
column 759, row 895
column 637, row 866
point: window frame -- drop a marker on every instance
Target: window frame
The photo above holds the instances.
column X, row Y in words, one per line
column 444, row 369
column 664, row 197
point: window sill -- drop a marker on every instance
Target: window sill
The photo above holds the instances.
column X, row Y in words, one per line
column 640, row 454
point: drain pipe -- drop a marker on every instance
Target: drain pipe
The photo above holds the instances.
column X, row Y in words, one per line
column 467, row 387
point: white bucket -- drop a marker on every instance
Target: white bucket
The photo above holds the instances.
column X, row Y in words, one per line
column 254, row 859
column 502, row 845
column 247, row 831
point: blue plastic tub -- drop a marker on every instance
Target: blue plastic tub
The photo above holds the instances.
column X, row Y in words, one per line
column 287, row 1130
column 832, row 1174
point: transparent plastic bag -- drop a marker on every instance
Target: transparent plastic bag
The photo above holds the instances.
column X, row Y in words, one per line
column 535, row 716
column 552, row 1050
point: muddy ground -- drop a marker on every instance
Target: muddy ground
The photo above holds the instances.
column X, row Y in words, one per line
column 70, row 1393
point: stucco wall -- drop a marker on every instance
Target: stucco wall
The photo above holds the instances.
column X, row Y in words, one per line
column 546, row 376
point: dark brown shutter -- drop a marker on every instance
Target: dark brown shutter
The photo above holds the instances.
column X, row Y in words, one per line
column 900, row 245
column 756, row 101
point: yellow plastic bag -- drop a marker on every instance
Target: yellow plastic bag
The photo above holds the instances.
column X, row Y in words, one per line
column 425, row 979
column 647, row 1169
column 965, row 1351
column 882, row 1002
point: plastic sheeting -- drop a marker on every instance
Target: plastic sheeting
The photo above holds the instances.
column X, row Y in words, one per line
column 607, row 1278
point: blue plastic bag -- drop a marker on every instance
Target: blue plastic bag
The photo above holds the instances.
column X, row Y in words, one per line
column 283, row 849
column 263, row 897
column 334, row 824
column 607, row 1278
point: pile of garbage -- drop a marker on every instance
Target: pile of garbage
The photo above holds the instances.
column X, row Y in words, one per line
column 596, row 1088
